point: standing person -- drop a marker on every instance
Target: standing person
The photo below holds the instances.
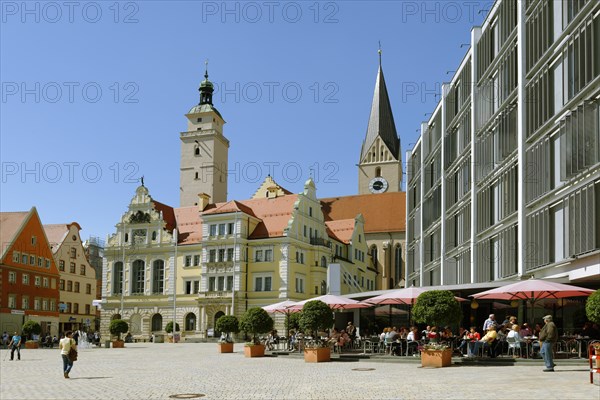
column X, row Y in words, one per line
column 351, row 330
column 548, row 336
column 75, row 337
column 5, row 340
column 65, row 345
column 15, row 344
column 489, row 322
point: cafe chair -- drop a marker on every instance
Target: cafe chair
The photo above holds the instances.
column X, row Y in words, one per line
column 513, row 346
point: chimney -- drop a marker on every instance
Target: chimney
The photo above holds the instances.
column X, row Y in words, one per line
column 203, row 199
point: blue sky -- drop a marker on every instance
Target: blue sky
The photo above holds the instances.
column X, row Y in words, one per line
column 94, row 93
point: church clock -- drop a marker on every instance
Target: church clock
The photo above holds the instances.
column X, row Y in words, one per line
column 378, row 185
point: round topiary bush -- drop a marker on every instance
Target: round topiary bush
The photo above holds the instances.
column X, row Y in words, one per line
column 169, row 327
column 592, row 307
column 437, row 307
column 316, row 316
column 256, row 321
column 117, row 327
column 228, row 324
column 293, row 321
column 31, row 328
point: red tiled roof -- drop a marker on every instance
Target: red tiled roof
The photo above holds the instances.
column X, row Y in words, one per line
column 385, row 212
column 274, row 213
column 56, row 233
column 340, row 230
column 230, row 207
column 189, row 225
column 10, row 223
column 167, row 213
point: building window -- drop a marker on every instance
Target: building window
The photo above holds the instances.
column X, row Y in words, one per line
column 45, row 282
column 61, row 265
column 118, row 278
column 69, row 286
column 12, row 301
column 154, row 236
column 61, row 284
column 230, row 228
column 82, row 269
column 72, row 268
column 16, row 257
column 52, row 305
column 258, row 256
column 304, row 231
column 192, row 287
column 25, row 279
column 220, row 283
column 38, row 281
column 76, row 287
column 299, row 284
column 268, row 255
column 230, row 254
column 45, row 304
column 262, row 283
column 221, row 255
column 31, row 260
column 53, row 283
column 230, row 283
column 221, row 229
column 323, row 261
column 36, row 304
column 138, row 277
column 211, row 283
column 68, row 310
column 76, row 308
column 212, row 255
column 40, row 262
column 12, row 277
column 197, row 259
column 397, row 264
column 47, row 263
column 374, row 256
column 157, row 321
column 188, row 261
column 24, row 259
column 213, row 230
column 25, row 303
column 87, row 309
column 310, row 211
column 73, row 252
column 88, row 288
column 158, row 276
column 33, row 240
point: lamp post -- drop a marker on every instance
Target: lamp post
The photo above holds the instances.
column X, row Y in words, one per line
column 175, row 286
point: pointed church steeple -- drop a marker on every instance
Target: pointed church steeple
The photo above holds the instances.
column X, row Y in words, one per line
column 381, row 120
column 380, row 164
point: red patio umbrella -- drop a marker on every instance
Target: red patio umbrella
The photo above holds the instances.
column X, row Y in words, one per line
column 283, row 307
column 334, row 302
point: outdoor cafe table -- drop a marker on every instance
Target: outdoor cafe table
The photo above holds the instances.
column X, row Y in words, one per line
column 580, row 341
column 529, row 343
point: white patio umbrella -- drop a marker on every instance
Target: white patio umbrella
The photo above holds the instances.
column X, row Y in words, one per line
column 334, row 302
column 283, row 307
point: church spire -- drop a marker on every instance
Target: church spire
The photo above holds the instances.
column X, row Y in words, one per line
column 206, row 88
column 381, row 120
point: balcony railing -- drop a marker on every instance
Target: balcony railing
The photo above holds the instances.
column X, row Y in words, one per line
column 320, row 242
column 215, row 294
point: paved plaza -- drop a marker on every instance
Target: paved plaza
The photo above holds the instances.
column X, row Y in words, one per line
column 158, row 371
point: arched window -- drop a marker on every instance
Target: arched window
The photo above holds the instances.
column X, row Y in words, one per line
column 126, row 237
column 377, row 172
column 156, row 323
column 137, row 277
column 196, row 176
column 323, row 261
column 154, row 235
column 158, row 276
column 116, row 316
column 190, row 322
column 118, row 278
column 397, row 264
column 197, row 151
column 374, row 256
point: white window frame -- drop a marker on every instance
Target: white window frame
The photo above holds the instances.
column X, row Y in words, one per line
column 222, row 229
column 212, row 230
column 25, row 279
column 262, row 278
column 16, row 257
column 300, row 283
column 12, row 301
column 12, row 277
column 25, row 302
column 37, row 281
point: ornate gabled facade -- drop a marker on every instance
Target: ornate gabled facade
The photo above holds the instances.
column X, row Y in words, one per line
column 380, row 163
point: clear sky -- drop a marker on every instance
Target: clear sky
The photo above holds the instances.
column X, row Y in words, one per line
column 94, row 93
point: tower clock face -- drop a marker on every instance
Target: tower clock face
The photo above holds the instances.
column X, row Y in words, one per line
column 378, row 185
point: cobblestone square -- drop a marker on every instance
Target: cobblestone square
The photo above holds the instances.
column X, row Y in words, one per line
column 157, row 371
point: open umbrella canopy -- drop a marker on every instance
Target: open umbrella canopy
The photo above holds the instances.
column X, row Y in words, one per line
column 400, row 296
column 385, row 310
column 334, row 302
column 281, row 307
column 532, row 290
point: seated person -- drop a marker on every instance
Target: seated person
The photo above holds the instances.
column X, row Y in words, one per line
column 518, row 340
column 525, row 330
column 488, row 342
column 433, row 335
column 472, row 338
column 334, row 337
column 412, row 339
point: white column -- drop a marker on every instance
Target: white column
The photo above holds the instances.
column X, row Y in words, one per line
column 475, row 35
column 521, row 126
column 422, row 183
column 445, row 90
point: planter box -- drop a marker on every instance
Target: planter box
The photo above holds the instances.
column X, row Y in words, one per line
column 225, row 347
column 32, row 345
column 258, row 350
column 436, row 358
column 316, row 355
column 118, row 344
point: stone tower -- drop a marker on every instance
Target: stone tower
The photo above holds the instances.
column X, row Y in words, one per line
column 204, row 151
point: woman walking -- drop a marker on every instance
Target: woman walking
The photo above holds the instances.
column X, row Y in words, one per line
column 66, row 344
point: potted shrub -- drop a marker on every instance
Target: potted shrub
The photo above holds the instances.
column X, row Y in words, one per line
column 116, row 328
column 592, row 311
column 254, row 322
column 29, row 329
column 439, row 308
column 227, row 324
column 169, row 329
column 316, row 316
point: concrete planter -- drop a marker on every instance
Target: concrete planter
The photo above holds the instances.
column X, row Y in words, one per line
column 118, row 344
column 225, row 347
column 32, row 344
column 258, row 350
column 317, row 354
column 436, row 358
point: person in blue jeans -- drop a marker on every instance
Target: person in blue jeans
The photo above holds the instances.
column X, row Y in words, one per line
column 548, row 336
column 15, row 344
column 65, row 346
